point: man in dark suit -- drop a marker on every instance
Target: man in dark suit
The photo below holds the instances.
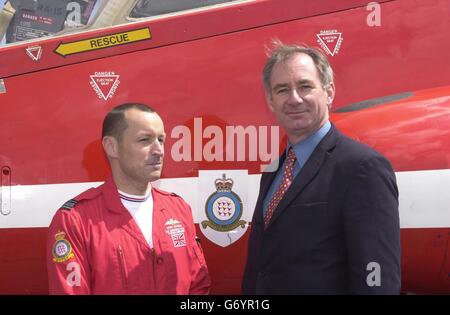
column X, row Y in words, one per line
column 327, row 221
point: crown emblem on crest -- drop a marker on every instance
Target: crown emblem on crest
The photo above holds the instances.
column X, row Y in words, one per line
column 224, row 184
column 60, row 236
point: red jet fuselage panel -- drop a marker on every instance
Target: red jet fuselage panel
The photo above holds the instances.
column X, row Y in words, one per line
column 202, row 70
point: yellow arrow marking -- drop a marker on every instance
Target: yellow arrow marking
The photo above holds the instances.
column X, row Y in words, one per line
column 65, row 49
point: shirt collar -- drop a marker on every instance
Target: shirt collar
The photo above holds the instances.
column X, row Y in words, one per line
column 305, row 148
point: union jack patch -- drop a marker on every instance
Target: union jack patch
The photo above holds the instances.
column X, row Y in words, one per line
column 178, row 240
column 175, row 229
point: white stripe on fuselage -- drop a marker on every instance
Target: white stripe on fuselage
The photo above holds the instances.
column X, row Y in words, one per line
column 424, row 199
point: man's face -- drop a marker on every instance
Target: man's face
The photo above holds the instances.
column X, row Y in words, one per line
column 298, row 100
column 141, row 150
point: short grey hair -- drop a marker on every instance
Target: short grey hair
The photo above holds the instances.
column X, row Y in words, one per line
column 282, row 52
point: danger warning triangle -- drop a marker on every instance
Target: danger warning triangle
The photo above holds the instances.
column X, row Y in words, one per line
column 330, row 41
column 34, row 52
column 105, row 84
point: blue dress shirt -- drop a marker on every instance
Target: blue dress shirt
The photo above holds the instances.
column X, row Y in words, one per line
column 303, row 151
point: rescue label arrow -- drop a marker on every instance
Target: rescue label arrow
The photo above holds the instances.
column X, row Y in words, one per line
column 90, row 44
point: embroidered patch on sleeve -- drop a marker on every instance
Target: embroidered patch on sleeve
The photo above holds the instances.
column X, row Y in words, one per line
column 62, row 249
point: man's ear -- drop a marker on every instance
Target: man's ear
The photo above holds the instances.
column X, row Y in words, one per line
column 330, row 93
column 110, row 145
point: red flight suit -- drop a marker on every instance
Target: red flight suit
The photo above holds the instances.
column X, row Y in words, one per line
column 96, row 247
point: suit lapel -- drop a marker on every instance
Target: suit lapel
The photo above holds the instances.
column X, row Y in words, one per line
column 308, row 172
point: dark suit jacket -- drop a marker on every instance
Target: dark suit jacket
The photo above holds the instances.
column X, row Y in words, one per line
column 339, row 216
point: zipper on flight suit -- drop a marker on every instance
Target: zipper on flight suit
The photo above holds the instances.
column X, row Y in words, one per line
column 153, row 253
column 123, row 267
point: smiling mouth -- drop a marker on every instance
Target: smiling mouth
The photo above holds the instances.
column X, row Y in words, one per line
column 295, row 113
column 155, row 164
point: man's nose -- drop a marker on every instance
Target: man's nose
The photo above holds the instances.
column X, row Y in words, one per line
column 295, row 97
column 158, row 148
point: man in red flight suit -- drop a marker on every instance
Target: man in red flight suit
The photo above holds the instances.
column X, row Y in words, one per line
column 127, row 237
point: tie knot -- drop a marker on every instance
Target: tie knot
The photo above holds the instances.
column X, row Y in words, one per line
column 291, row 156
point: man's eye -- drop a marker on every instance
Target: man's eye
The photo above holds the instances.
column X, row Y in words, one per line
column 143, row 140
column 281, row 91
column 161, row 140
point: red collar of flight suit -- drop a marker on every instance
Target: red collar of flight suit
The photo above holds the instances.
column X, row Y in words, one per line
column 112, row 198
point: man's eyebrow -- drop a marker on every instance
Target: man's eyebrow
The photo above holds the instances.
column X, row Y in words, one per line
column 145, row 134
column 150, row 134
column 304, row 81
column 299, row 82
column 279, row 85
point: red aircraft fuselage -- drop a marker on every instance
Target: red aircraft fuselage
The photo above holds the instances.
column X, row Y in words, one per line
column 201, row 70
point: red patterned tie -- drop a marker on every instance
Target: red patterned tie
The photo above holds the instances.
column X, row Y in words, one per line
column 284, row 185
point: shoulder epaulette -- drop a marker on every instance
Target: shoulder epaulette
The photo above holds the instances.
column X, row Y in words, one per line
column 91, row 193
column 167, row 193
column 175, row 195
column 86, row 195
column 69, row 204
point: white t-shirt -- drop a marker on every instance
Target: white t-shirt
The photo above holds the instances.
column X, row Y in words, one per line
column 141, row 209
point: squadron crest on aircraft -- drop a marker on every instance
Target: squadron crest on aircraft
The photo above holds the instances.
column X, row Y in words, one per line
column 223, row 207
column 223, row 221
